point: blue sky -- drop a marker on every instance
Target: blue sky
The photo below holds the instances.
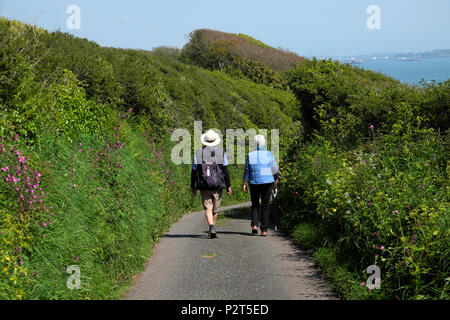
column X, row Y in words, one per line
column 308, row 27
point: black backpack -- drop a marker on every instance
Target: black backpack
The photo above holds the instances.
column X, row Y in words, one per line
column 209, row 173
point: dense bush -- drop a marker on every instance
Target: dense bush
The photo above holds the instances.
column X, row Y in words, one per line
column 239, row 55
column 341, row 102
column 385, row 203
column 435, row 105
column 238, row 44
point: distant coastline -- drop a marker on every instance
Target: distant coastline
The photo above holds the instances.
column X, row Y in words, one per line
column 411, row 56
column 409, row 70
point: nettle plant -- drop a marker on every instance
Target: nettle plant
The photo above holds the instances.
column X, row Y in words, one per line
column 23, row 214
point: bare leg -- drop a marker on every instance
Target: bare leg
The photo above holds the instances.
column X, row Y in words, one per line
column 209, row 216
column 215, row 218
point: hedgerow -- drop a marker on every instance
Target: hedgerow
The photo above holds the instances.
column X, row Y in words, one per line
column 370, row 183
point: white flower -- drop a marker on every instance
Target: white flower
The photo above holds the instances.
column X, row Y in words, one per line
column 348, row 212
column 329, row 182
column 346, row 195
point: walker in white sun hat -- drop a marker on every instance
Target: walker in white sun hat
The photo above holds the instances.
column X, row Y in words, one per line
column 210, row 138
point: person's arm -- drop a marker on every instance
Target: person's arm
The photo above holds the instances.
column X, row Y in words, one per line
column 193, row 178
column 275, row 172
column 246, row 175
column 226, row 173
column 276, row 177
column 194, row 175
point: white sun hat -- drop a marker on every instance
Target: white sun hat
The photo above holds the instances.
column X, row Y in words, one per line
column 210, row 138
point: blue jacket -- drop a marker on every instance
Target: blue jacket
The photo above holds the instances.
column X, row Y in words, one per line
column 260, row 167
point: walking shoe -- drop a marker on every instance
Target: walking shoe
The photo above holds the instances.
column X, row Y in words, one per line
column 254, row 232
column 212, row 233
column 263, row 233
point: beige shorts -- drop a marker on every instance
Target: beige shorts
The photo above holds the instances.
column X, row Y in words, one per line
column 211, row 199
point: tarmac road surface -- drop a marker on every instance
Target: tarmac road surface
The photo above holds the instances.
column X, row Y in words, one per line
column 187, row 265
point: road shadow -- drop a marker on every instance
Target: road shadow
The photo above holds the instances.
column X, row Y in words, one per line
column 307, row 262
column 238, row 214
column 233, row 232
column 183, row 236
column 205, row 234
column 245, row 214
column 297, row 254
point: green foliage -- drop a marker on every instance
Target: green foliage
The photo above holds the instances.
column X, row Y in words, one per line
column 435, row 105
column 238, row 55
column 256, row 71
column 253, row 40
column 84, row 59
column 341, row 102
column 306, row 235
column 167, row 52
column 337, row 272
column 69, row 112
column 385, row 203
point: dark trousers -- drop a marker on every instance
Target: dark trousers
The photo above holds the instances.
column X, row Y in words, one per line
column 262, row 191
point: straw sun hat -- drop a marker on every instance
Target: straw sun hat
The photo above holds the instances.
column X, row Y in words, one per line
column 210, row 138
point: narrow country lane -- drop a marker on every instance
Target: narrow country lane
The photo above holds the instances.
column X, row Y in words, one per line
column 186, row 265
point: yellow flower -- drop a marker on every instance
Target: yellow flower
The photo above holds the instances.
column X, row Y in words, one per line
column 334, row 209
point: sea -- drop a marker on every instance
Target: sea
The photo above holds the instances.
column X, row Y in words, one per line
column 411, row 72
